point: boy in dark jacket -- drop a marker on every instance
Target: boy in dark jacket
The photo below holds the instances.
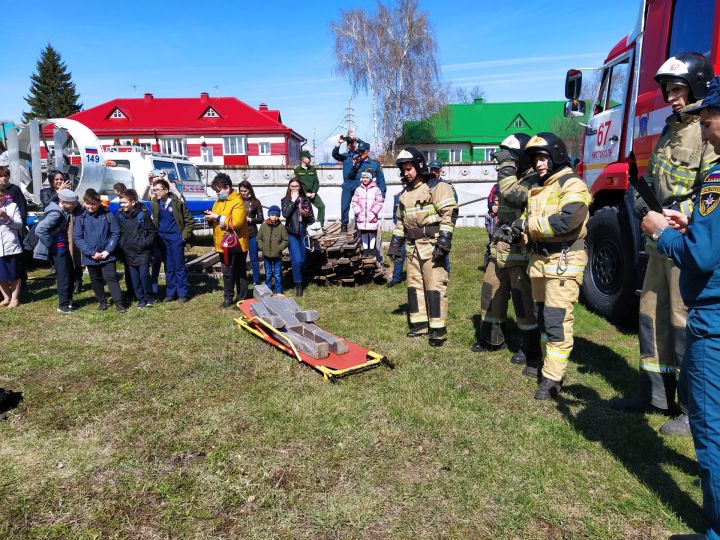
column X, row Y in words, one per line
column 137, row 237
column 272, row 240
column 96, row 234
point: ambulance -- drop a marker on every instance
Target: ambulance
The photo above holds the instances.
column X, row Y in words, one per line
column 627, row 114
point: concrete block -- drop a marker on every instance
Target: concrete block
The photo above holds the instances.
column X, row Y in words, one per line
column 261, row 291
column 308, row 316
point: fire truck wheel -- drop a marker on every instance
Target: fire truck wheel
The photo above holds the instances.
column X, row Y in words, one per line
column 609, row 280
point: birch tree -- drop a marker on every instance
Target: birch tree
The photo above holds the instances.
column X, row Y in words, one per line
column 392, row 55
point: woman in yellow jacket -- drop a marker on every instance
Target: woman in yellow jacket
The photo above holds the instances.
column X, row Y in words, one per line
column 228, row 213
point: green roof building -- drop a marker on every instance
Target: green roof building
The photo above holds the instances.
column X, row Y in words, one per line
column 472, row 131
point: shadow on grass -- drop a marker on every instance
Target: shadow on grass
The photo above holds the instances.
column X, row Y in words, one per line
column 595, row 358
column 636, row 444
column 9, row 400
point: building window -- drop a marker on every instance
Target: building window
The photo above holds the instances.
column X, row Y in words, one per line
column 454, row 155
column 264, row 148
column 489, row 152
column 117, row 113
column 174, row 147
column 210, row 113
column 206, row 153
column 518, row 123
column 430, row 155
column 235, row 146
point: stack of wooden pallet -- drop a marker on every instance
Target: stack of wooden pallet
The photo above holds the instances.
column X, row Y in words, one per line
column 336, row 259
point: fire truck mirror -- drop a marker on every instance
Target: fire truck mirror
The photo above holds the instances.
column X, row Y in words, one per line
column 574, row 108
column 573, row 84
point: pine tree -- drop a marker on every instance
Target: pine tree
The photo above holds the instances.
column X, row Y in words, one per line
column 52, row 92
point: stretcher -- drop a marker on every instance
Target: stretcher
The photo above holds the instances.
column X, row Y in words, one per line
column 332, row 367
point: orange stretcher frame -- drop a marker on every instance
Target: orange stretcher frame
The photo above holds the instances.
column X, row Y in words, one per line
column 333, row 367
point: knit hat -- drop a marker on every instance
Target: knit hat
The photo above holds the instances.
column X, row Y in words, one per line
column 274, row 210
column 67, row 195
column 366, row 174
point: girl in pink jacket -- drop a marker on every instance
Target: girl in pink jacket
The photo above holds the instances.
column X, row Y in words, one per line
column 367, row 203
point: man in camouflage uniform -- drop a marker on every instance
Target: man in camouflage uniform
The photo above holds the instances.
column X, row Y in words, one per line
column 306, row 174
column 675, row 171
column 425, row 223
column 555, row 228
column 506, row 272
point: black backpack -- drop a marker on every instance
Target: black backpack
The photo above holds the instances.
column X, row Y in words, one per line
column 30, row 241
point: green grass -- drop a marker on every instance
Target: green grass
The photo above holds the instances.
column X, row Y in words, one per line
column 172, row 423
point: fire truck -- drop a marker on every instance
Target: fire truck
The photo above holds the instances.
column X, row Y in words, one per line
column 627, row 117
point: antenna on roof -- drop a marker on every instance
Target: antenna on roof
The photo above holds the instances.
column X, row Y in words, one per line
column 217, row 90
column 134, row 90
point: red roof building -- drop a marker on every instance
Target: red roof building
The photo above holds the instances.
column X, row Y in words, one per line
column 210, row 131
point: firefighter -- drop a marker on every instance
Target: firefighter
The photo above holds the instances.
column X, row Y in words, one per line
column 425, row 223
column 554, row 227
column 308, row 178
column 675, row 171
column 435, row 168
column 506, row 274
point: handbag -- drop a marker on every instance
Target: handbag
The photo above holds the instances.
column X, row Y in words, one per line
column 230, row 242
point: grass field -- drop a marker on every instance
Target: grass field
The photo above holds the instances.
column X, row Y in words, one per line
column 171, row 423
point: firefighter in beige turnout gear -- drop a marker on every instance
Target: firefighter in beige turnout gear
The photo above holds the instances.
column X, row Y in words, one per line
column 506, row 274
column 425, row 223
column 677, row 165
column 555, row 228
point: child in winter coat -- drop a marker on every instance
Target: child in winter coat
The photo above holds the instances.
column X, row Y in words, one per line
column 137, row 238
column 366, row 204
column 272, row 239
column 96, row 234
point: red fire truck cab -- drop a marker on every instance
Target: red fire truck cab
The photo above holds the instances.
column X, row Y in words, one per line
column 628, row 114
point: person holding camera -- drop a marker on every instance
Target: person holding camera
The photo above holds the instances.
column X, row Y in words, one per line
column 57, row 182
column 229, row 214
column 297, row 211
column 350, row 183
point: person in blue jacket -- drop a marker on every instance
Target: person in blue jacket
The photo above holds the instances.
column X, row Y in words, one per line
column 692, row 245
column 350, row 183
column 362, row 162
column 174, row 228
column 96, row 234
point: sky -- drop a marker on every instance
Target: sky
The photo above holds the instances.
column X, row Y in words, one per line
column 281, row 52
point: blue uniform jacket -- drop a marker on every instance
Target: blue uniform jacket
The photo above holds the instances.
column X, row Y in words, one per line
column 95, row 233
column 347, row 162
column 375, row 168
column 696, row 253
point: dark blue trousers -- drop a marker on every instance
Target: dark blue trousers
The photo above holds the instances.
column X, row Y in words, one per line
column 65, row 277
column 176, row 282
column 348, row 189
column 297, row 255
column 141, row 282
column 254, row 261
column 699, row 387
column 273, row 269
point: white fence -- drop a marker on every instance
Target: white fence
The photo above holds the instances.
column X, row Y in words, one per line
column 472, row 182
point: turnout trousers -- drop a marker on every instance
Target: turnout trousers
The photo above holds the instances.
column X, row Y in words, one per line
column 500, row 285
column 555, row 299
column 699, row 388
column 427, row 283
column 663, row 317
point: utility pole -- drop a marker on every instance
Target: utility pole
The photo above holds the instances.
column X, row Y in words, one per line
column 134, row 90
column 348, row 120
column 313, row 152
column 217, row 90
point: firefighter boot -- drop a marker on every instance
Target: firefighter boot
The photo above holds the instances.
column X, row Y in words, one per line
column 548, row 389
column 518, row 358
column 492, row 338
column 417, row 330
column 437, row 337
column 678, row 426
